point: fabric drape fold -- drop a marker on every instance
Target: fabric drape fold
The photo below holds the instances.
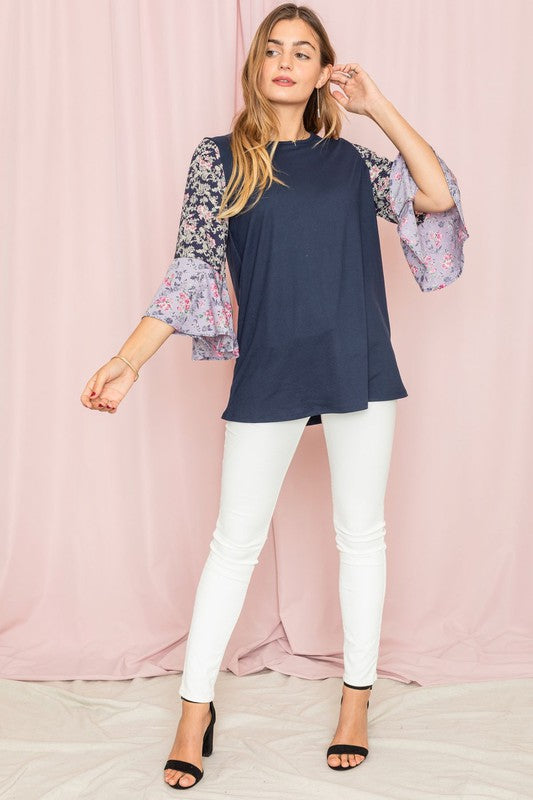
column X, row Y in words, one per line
column 432, row 242
column 433, row 247
column 194, row 299
column 193, row 296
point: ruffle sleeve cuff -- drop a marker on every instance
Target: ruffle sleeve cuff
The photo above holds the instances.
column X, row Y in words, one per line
column 432, row 242
column 194, row 299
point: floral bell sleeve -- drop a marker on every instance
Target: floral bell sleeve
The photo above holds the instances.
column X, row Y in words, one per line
column 194, row 296
column 431, row 241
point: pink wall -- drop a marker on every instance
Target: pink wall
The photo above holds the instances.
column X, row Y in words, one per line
column 106, row 519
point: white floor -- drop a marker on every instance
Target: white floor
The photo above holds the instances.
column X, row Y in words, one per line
column 108, row 740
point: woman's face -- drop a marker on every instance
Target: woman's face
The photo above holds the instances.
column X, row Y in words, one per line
column 292, row 52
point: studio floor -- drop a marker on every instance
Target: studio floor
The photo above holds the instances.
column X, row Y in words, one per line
column 108, row 740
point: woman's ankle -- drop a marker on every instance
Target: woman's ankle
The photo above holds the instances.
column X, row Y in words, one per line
column 352, row 686
column 196, row 702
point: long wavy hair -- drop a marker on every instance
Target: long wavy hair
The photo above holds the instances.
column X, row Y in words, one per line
column 252, row 161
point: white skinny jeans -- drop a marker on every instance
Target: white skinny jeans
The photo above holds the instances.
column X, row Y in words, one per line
column 256, row 458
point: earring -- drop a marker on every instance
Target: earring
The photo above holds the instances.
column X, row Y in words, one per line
column 317, row 102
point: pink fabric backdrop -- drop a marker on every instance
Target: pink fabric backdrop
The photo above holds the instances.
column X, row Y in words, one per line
column 106, row 520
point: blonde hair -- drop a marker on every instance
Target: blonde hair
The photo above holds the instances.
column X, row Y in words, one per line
column 252, row 162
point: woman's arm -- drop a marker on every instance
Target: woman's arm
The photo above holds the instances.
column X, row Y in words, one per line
column 145, row 340
column 364, row 97
column 193, row 297
column 417, row 190
column 433, row 194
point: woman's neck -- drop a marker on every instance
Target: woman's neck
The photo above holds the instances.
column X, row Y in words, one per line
column 302, row 134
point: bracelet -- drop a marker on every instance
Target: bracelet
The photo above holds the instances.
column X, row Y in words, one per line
column 129, row 365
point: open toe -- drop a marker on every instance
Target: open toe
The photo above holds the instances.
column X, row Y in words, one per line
column 338, row 749
column 184, row 766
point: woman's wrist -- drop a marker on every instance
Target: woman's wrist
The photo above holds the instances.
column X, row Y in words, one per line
column 148, row 337
column 378, row 108
column 127, row 361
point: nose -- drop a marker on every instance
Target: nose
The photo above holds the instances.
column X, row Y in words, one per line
column 285, row 64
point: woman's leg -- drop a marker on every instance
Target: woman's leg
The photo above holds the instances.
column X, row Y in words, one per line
column 256, row 458
column 359, row 448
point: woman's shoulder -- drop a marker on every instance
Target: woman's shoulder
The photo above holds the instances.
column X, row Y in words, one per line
column 222, row 140
column 217, row 147
column 352, row 149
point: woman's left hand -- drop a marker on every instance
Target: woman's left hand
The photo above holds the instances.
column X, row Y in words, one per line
column 360, row 89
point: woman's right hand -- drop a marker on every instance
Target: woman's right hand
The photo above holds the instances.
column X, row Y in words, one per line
column 108, row 386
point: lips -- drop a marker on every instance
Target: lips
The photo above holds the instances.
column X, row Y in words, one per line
column 284, row 81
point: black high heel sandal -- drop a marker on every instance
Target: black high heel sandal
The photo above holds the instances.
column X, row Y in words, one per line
column 357, row 749
column 207, row 749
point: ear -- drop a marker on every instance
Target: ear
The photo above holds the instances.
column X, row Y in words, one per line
column 325, row 74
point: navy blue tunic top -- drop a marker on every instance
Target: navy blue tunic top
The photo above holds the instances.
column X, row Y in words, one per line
column 305, row 262
column 313, row 331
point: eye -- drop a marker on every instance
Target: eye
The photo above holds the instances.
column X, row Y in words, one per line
column 298, row 54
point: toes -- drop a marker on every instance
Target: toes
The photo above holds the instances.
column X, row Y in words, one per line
column 173, row 776
column 187, row 780
column 345, row 760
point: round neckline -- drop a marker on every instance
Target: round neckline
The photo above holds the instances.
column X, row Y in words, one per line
column 299, row 143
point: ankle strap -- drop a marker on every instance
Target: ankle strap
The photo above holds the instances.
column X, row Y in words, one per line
column 194, row 701
column 357, row 687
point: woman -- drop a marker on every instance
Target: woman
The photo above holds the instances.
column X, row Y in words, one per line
column 294, row 213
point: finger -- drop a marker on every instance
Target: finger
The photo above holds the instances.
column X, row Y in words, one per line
column 94, row 402
column 339, row 76
column 340, row 98
column 98, row 386
column 87, row 398
column 355, row 69
column 341, row 79
column 99, row 381
column 88, row 391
